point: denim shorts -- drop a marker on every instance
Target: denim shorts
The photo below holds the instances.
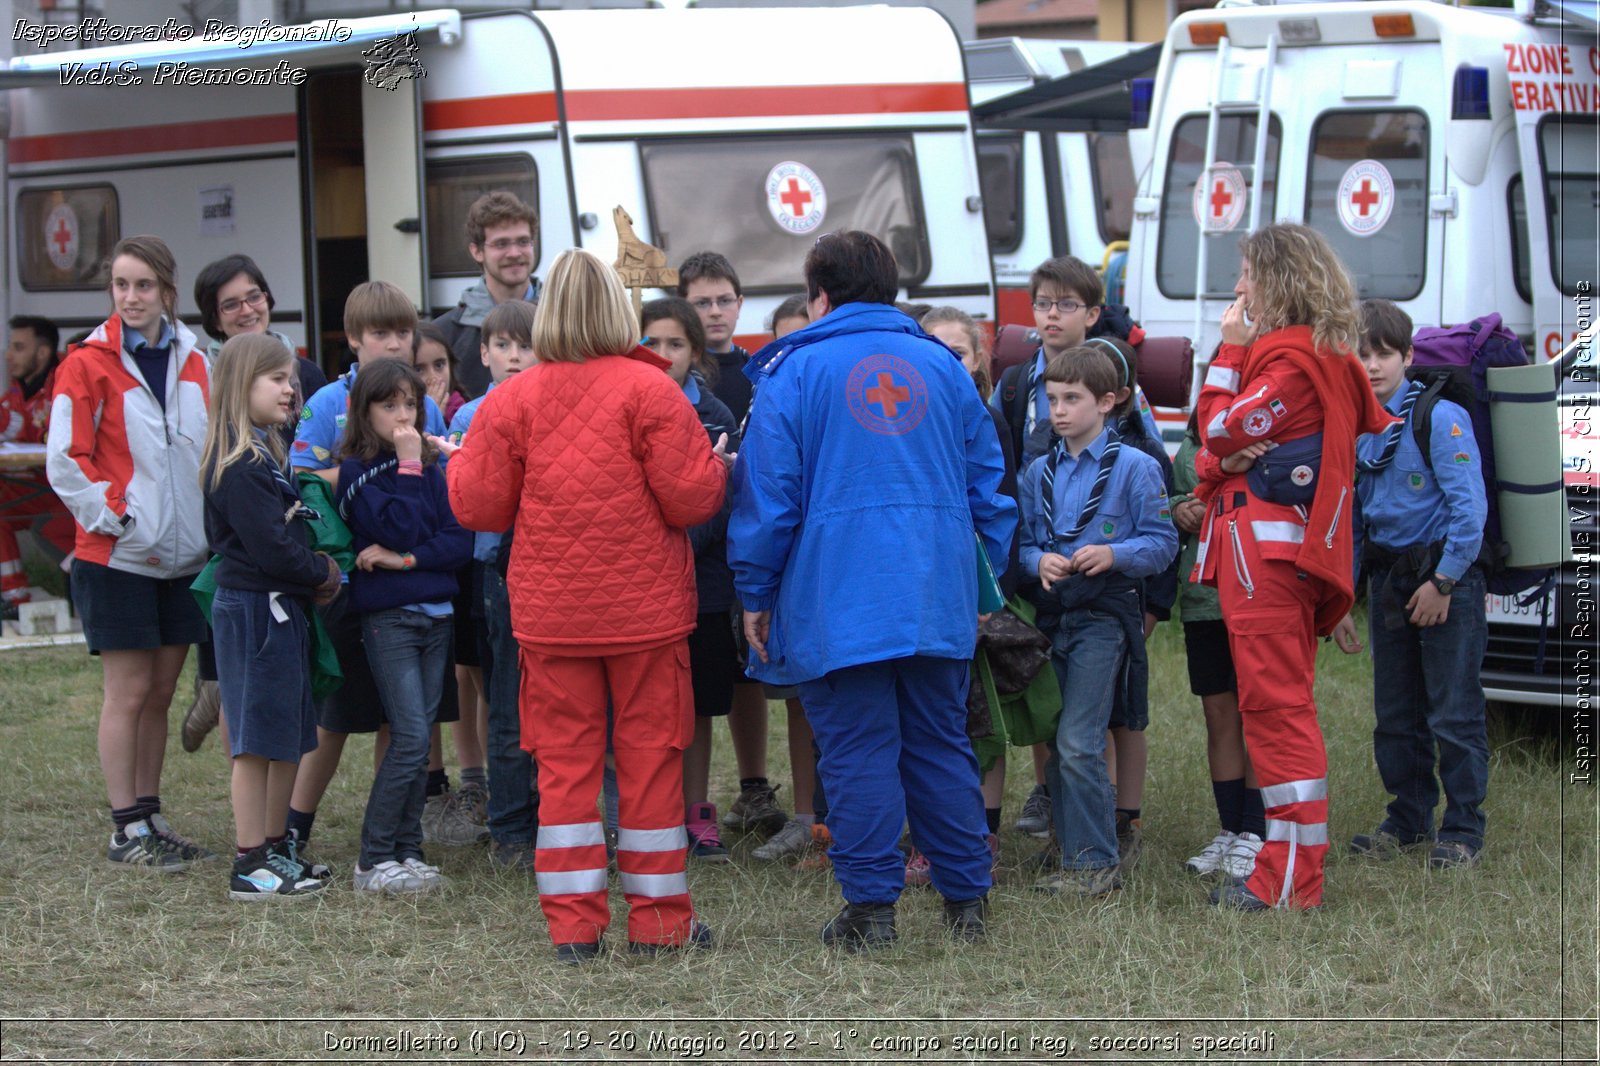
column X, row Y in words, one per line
column 132, row 612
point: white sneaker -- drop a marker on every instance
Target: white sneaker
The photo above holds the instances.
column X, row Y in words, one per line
column 430, row 876
column 1209, row 861
column 388, row 876
column 1240, row 860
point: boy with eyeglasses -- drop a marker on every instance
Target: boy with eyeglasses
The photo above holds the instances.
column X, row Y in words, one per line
column 708, row 281
column 502, row 235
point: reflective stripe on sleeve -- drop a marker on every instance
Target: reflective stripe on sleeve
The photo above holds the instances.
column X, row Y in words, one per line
column 1220, row 377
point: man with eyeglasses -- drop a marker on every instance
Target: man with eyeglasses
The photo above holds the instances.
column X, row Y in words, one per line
column 502, row 235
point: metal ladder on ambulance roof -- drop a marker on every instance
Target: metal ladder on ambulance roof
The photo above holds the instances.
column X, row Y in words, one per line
column 1258, row 101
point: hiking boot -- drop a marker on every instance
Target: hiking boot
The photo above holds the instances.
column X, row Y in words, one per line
column 320, row 870
column 1236, row 895
column 967, row 919
column 445, row 821
column 1130, row 841
column 270, row 873
column 185, row 847
column 1382, row 845
column 1087, row 883
column 1239, row 862
column 577, row 953
column 793, row 839
column 756, row 809
column 1209, row 860
column 861, row 927
column 473, row 798
column 698, row 936
column 512, row 855
column 202, row 716
column 1453, row 855
column 919, row 871
column 387, row 877
column 705, row 843
column 817, row 857
column 1035, row 817
column 138, row 845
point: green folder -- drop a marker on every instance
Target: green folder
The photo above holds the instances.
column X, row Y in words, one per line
column 989, row 596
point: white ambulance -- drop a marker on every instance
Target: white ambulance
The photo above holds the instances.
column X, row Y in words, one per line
column 351, row 149
column 1450, row 156
column 1046, row 192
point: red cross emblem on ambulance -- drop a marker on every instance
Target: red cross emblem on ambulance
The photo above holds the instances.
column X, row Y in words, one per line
column 886, row 395
column 796, row 197
column 61, row 236
column 1220, row 197
column 1365, row 197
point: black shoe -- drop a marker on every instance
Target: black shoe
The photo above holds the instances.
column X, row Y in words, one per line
column 1236, row 895
column 699, row 936
column 861, row 927
column 967, row 919
column 578, row 953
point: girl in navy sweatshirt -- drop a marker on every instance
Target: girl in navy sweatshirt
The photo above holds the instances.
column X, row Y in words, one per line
column 265, row 576
column 409, row 547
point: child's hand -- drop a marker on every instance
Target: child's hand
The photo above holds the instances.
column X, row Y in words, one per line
column 439, row 392
column 1053, row 567
column 377, row 557
column 721, row 452
column 757, row 627
column 329, row 589
column 407, row 442
column 1427, row 606
column 446, row 449
column 1092, row 559
column 1246, row 457
column 1344, row 635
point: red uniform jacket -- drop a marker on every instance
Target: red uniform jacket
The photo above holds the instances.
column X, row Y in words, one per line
column 603, row 465
column 1282, row 388
column 23, row 419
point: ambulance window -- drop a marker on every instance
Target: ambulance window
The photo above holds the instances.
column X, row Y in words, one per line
column 1000, row 177
column 1367, row 192
column 1567, row 159
column 1113, row 184
column 65, row 237
column 453, row 184
column 756, row 199
column 1177, row 250
column 1517, row 210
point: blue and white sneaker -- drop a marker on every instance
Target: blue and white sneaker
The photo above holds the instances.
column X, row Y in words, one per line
column 140, row 845
column 267, row 873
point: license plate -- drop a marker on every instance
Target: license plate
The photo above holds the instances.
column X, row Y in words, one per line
column 1510, row 609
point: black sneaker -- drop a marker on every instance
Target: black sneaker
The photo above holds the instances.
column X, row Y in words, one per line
column 699, row 936
column 861, row 927
column 1453, row 855
column 139, row 845
column 578, row 953
column 185, row 847
column 1236, row 895
column 269, row 873
column 967, row 919
column 1382, row 845
column 320, row 870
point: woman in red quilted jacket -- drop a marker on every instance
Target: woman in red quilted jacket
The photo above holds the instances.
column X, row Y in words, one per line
column 602, row 464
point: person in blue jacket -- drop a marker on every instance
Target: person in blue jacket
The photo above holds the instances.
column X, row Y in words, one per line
column 868, row 462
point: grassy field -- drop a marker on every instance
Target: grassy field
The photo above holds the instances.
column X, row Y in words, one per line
column 1494, row 964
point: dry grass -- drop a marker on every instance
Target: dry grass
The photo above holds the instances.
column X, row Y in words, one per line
column 1400, row 965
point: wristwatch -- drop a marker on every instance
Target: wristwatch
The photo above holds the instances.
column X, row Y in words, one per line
column 1444, row 584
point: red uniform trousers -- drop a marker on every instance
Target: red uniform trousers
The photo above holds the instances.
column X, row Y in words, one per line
column 1268, row 605
column 26, row 503
column 564, row 726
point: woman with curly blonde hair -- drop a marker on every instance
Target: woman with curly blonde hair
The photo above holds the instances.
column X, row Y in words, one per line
column 1280, row 411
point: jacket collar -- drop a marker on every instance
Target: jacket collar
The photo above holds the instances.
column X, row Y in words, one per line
column 840, row 322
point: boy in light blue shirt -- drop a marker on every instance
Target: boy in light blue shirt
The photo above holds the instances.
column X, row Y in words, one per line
column 1418, row 530
column 1095, row 520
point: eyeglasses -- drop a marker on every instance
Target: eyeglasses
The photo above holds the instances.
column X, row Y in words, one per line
column 255, row 298
column 505, row 244
column 1066, row 307
column 724, row 303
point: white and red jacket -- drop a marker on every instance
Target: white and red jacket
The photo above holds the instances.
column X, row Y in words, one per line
column 127, row 469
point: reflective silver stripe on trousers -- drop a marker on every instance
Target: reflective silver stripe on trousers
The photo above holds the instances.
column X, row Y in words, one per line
column 1290, row 532
column 1222, row 378
column 652, row 839
column 654, row 885
column 1304, row 791
column 1311, row 834
column 570, row 882
column 576, row 835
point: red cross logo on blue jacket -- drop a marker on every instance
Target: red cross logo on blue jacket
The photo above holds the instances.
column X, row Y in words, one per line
column 886, row 395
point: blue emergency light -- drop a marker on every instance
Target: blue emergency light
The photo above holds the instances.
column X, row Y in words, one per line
column 1470, row 97
column 1142, row 92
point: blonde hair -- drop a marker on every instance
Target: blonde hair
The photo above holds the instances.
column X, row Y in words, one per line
column 584, row 311
column 1299, row 280
column 954, row 316
column 230, row 433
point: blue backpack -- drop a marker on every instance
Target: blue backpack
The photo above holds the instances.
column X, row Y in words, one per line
column 1453, row 364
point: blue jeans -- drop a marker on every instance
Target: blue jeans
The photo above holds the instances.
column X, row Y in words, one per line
column 1428, row 693
column 893, row 743
column 1087, row 652
column 512, row 819
column 409, row 653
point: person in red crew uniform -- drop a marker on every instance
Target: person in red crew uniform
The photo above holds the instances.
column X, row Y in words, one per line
column 1280, row 411
column 26, row 501
column 604, row 466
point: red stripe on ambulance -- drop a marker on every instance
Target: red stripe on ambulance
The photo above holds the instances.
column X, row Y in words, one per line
column 146, row 140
